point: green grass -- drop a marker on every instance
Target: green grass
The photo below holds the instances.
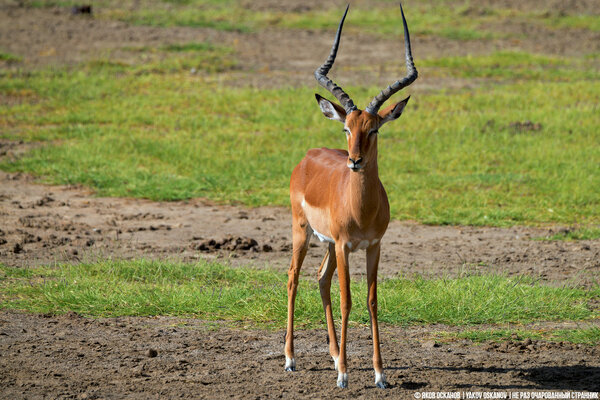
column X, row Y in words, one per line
column 579, row 21
column 385, row 21
column 9, row 57
column 230, row 16
column 462, row 22
column 199, row 47
column 172, row 58
column 575, row 233
column 195, row 47
column 429, row 19
column 215, row 292
column 202, row 57
column 588, row 335
column 456, row 21
column 220, row 17
column 512, row 65
column 154, row 130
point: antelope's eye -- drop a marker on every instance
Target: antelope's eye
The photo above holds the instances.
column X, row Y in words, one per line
column 373, row 132
column 346, row 131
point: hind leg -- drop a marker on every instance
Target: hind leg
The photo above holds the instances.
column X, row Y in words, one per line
column 326, row 271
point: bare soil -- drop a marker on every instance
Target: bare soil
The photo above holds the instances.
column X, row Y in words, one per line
column 73, row 357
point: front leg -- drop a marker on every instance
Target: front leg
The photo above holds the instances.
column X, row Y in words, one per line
column 341, row 252
column 300, row 238
column 372, row 265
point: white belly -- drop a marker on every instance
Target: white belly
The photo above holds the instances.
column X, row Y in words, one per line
column 318, row 221
column 322, row 237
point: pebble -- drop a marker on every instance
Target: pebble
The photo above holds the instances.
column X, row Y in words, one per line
column 151, row 353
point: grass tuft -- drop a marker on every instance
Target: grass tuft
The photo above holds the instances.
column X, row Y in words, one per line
column 512, row 65
column 576, row 233
column 9, row 57
column 588, row 335
column 215, row 292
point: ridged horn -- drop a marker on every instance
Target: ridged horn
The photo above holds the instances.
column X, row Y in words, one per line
column 321, row 72
column 410, row 77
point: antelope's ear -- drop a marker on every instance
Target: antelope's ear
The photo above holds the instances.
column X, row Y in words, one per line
column 331, row 110
column 393, row 112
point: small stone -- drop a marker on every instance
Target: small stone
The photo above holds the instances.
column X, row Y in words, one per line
column 151, row 353
column 430, row 344
column 18, row 248
column 267, row 248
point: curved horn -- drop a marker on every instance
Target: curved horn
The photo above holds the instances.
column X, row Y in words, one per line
column 410, row 77
column 321, row 72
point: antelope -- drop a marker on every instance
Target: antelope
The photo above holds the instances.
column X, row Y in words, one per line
column 337, row 196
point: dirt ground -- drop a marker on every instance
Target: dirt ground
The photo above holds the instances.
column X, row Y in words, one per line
column 74, row 357
column 68, row 356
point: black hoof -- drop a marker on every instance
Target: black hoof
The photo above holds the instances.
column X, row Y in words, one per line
column 290, row 369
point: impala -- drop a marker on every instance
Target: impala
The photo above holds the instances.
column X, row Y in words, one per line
column 337, row 196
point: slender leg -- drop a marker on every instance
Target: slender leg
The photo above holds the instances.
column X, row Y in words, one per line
column 325, row 274
column 372, row 265
column 341, row 252
column 300, row 239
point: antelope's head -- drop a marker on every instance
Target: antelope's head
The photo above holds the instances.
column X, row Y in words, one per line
column 361, row 127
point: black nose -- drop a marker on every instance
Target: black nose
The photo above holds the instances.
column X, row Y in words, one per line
column 355, row 162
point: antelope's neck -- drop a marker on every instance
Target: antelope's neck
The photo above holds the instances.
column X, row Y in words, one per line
column 363, row 193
